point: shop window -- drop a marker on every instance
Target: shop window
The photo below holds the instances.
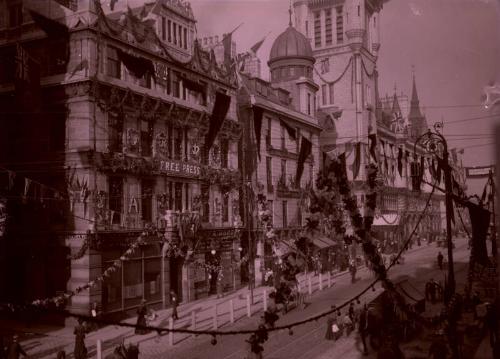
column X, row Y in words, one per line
column 115, row 191
column 115, row 133
column 112, row 287
column 133, row 289
column 225, row 208
column 113, row 63
column 178, row 196
column 152, row 278
column 147, row 187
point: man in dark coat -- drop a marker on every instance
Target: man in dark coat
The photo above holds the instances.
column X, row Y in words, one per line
column 363, row 327
column 15, row 350
column 440, row 260
column 80, row 331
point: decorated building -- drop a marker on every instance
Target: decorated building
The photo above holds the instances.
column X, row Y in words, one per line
column 127, row 154
column 345, row 40
column 282, row 152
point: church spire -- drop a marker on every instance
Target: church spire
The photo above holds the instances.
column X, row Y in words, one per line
column 415, row 103
column 290, row 14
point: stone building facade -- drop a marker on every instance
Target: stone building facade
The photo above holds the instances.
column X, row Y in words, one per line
column 345, row 40
column 128, row 96
column 287, row 116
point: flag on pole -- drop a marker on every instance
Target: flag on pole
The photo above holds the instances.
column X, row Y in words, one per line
column 373, row 145
column 257, row 46
column 219, row 112
column 357, row 160
column 305, row 151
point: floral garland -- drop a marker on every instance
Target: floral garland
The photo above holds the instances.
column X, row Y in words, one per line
column 226, row 178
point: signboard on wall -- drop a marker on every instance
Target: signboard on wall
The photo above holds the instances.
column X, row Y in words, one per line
column 178, row 168
column 479, row 172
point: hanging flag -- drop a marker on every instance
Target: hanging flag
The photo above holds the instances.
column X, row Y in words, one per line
column 258, row 112
column 373, row 145
column 219, row 112
column 438, row 170
column 292, row 132
column 357, row 160
column 138, row 66
column 343, row 164
column 480, row 222
column 304, row 153
column 250, row 158
column 227, row 43
column 400, row 161
column 257, row 45
column 51, row 27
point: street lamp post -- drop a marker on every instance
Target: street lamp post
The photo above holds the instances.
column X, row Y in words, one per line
column 435, row 143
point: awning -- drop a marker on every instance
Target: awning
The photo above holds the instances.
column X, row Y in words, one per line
column 323, row 242
column 391, row 219
column 411, row 294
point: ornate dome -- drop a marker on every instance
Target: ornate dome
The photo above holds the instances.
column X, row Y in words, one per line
column 291, row 43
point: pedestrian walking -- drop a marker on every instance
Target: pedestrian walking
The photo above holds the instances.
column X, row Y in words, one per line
column 440, row 260
column 491, row 323
column 352, row 270
column 363, row 327
column 142, row 311
column 329, row 327
column 15, row 350
column 351, row 312
column 175, row 302
column 432, row 290
column 475, row 300
column 80, row 331
column 347, row 325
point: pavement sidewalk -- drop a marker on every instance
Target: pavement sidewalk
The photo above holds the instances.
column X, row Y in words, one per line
column 46, row 341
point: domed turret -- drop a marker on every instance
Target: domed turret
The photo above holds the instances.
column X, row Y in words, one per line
column 291, row 56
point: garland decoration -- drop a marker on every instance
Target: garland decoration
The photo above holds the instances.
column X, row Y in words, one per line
column 60, row 300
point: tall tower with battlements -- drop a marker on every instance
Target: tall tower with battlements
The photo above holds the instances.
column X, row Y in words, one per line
column 345, row 39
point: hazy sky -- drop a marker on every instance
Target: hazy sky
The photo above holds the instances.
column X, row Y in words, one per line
column 453, row 44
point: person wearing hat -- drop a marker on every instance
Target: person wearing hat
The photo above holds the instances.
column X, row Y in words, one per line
column 142, row 311
column 175, row 302
column 80, row 331
column 15, row 349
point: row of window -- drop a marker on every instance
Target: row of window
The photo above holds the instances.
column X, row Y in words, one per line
column 167, row 80
column 178, row 199
column 177, row 144
column 327, row 94
column 174, row 33
column 291, row 72
column 339, row 27
column 283, row 173
column 284, row 212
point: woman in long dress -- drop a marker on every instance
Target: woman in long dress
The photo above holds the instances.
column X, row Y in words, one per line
column 142, row 311
column 80, row 331
column 329, row 333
